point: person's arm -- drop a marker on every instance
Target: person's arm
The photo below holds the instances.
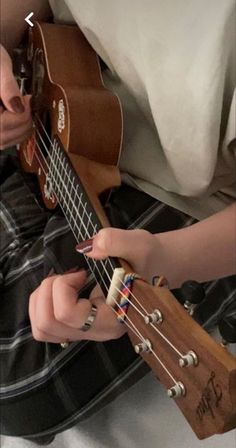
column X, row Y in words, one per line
column 12, row 15
column 204, row 251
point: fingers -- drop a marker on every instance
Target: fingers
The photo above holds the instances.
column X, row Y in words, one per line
column 53, row 304
column 56, row 314
column 126, row 244
column 106, row 325
column 15, row 110
column 39, row 333
column 10, row 93
column 15, row 128
column 67, row 309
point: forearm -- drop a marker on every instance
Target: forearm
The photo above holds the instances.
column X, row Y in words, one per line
column 12, row 16
column 202, row 252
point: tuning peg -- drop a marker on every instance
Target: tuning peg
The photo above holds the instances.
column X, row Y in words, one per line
column 227, row 328
column 192, row 293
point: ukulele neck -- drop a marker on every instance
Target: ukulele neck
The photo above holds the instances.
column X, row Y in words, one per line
column 63, row 182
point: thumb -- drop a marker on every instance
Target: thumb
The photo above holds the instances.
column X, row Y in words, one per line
column 10, row 93
column 126, row 244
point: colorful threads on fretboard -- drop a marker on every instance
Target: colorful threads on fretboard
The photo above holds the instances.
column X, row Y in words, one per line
column 159, row 280
column 125, row 293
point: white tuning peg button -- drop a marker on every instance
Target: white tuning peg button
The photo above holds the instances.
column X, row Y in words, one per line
column 178, row 390
column 144, row 346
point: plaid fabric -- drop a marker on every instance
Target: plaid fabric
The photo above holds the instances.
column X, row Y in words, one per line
column 44, row 389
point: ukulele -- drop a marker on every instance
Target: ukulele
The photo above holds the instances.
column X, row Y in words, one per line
column 74, row 150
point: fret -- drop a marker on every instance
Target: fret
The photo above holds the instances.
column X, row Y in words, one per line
column 90, row 226
column 95, row 230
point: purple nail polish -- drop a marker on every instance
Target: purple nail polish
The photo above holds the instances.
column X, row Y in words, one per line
column 85, row 246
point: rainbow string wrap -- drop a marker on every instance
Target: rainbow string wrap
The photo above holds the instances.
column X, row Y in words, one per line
column 125, row 293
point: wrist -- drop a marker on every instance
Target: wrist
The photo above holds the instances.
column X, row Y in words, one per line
column 172, row 257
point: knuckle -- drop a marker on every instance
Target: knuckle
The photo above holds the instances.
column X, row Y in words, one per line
column 37, row 335
column 58, row 282
column 106, row 238
column 45, row 283
column 43, row 325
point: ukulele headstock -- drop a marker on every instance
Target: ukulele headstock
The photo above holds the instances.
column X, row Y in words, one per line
column 198, row 373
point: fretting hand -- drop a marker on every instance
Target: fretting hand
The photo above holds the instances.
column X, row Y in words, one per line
column 57, row 315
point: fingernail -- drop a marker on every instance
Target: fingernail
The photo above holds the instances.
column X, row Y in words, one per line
column 17, row 105
column 85, row 246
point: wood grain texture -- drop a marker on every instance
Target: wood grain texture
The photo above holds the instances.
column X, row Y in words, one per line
column 210, row 401
column 72, row 83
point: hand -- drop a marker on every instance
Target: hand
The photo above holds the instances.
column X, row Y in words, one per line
column 56, row 314
column 15, row 114
column 138, row 247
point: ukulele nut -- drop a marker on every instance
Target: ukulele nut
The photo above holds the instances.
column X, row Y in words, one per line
column 190, row 359
column 153, row 318
column 144, row 346
column 176, row 391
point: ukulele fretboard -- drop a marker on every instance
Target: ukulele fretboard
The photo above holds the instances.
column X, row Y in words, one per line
column 63, row 181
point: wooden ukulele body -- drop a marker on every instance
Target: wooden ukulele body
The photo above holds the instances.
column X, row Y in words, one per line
column 71, row 101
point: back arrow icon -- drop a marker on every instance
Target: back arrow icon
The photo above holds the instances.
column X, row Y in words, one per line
column 27, row 19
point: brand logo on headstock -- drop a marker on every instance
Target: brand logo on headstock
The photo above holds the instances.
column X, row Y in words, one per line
column 212, row 395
